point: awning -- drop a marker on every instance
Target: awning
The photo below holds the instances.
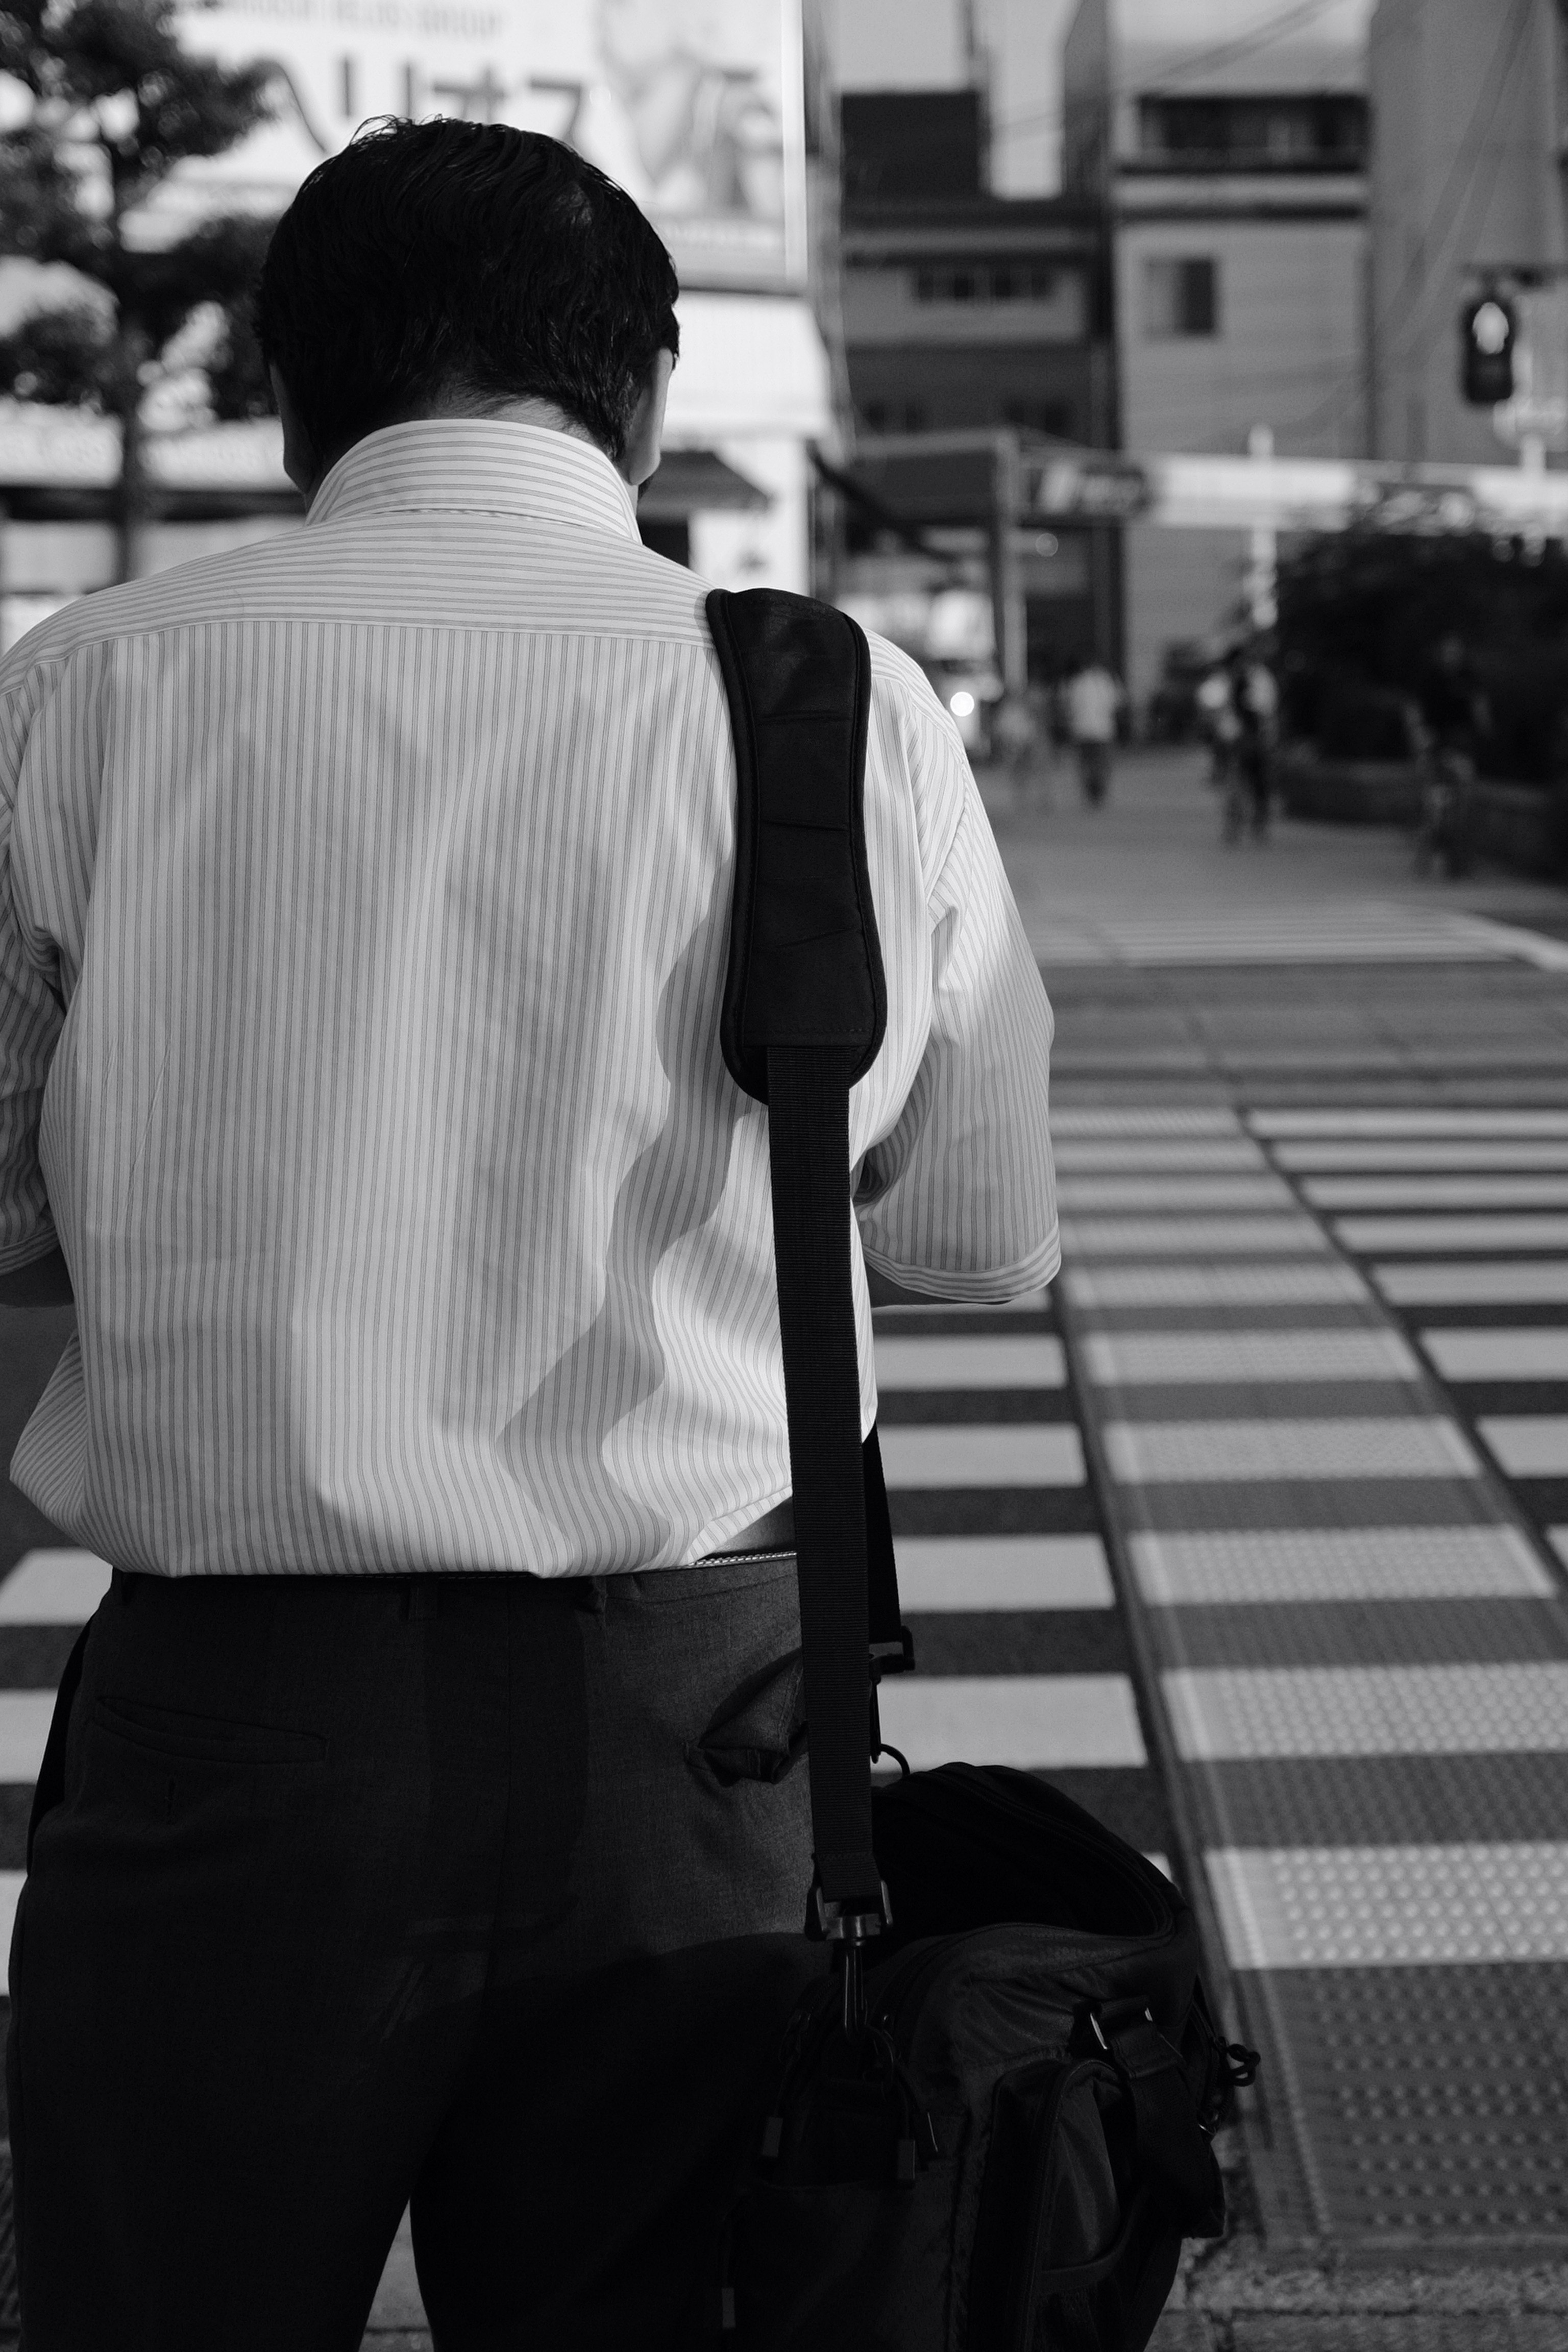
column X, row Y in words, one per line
column 752, row 366
column 697, row 481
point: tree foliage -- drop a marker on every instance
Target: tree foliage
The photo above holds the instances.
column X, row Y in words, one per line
column 117, row 104
column 1361, row 616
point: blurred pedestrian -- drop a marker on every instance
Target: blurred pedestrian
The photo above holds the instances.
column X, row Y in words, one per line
column 1221, row 727
column 1251, row 717
column 1094, row 701
column 1018, row 732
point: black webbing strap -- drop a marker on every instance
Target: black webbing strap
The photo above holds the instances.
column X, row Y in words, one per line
column 803, row 1017
column 808, row 1143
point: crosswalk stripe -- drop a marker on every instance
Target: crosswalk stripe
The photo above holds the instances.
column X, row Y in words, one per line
column 1197, row 1156
column 1106, row 1193
column 1199, row 1356
column 1037, row 1723
column 1011, row 1361
column 1367, row 1235
column 1236, row 1713
column 25, row 1718
column 1524, row 1351
column 1198, row 1118
column 961, row 1573
column 914, row 1315
column 1436, row 1191
column 1412, row 1446
column 1523, row 1282
column 11, row 1882
column 1295, row 1565
column 1400, row 1122
column 1248, row 1237
column 1331, row 1284
column 976, row 1453
column 1355, row 934
column 1391, row 1906
column 54, row 1587
column 1432, row 1152
column 1528, row 1445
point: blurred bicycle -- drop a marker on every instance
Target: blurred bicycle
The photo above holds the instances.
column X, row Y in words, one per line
column 1445, row 828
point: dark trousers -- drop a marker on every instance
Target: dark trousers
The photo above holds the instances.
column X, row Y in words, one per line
column 485, row 1892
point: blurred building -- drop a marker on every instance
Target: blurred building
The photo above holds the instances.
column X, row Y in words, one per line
column 718, row 119
column 974, row 326
column 1231, row 161
column 1470, row 104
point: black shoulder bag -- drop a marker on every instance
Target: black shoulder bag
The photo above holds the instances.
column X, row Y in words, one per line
column 990, row 2128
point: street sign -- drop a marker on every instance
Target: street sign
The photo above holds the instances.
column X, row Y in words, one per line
column 1535, row 409
column 1089, row 487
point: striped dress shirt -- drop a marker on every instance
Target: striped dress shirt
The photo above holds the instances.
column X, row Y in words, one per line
column 363, row 913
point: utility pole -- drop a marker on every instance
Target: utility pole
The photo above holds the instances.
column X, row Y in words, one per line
column 1006, row 581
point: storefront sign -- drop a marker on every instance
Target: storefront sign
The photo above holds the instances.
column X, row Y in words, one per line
column 693, row 106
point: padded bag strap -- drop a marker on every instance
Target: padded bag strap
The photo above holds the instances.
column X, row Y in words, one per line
column 804, row 1012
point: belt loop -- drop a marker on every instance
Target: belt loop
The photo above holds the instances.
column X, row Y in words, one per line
column 418, row 1599
column 121, row 1587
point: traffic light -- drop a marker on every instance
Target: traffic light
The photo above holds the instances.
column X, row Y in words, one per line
column 1487, row 328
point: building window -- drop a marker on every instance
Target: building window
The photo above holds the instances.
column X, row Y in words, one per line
column 894, row 415
column 1051, row 417
column 1180, row 296
column 1322, row 132
column 986, row 282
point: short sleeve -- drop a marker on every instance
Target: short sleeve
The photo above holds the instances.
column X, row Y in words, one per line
column 959, row 1201
column 31, row 1019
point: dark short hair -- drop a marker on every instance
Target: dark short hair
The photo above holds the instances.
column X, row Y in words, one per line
column 428, row 260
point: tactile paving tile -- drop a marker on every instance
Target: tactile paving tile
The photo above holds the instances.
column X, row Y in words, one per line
column 1426, row 1153
column 54, row 1587
column 1391, row 1906
column 1247, row 1356
column 1305, row 1564
column 1109, row 1194
column 1413, row 1446
column 1528, row 1445
column 1011, row 1360
column 963, row 1573
column 1436, row 1191
column 1370, row 1234
column 977, row 1453
column 1195, row 1156
column 1093, row 1118
column 1234, row 1286
column 1030, row 1721
column 1248, row 1237
column 1398, row 1121
column 1437, row 2096
column 1516, row 1352
column 1368, row 1710
column 1259, row 1801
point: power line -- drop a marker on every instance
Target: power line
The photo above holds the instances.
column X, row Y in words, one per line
column 1260, row 36
column 1432, row 239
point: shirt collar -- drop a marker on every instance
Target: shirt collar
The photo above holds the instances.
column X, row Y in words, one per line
column 484, row 464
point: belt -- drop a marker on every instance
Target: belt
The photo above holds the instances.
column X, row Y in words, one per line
column 774, row 1531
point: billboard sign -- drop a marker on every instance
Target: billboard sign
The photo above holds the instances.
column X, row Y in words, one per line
column 694, row 107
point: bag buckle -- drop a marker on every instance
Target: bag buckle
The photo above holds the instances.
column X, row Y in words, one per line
column 843, row 1923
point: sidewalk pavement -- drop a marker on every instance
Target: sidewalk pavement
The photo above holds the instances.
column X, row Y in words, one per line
column 1149, row 865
